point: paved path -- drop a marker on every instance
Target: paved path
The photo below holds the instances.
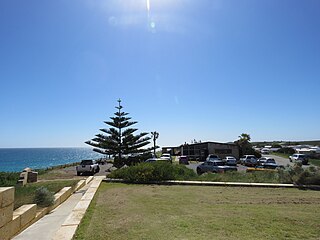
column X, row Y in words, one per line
column 50, row 224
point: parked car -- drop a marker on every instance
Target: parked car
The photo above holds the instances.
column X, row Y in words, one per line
column 166, row 156
column 183, row 160
column 248, row 160
column 87, row 166
column 263, row 160
column 217, row 166
column 230, row 161
column 264, row 151
column 298, row 157
column 153, row 160
column 213, row 157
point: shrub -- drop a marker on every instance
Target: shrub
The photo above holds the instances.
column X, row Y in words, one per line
column 314, row 155
column 286, row 150
column 159, row 171
column 299, row 175
column 310, row 176
column 43, row 197
column 8, row 178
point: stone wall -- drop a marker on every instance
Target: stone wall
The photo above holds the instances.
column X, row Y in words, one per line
column 13, row 222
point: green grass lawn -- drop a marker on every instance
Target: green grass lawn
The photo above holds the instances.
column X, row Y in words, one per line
column 121, row 211
column 315, row 162
column 25, row 194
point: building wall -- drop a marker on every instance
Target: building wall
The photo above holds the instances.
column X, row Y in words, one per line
column 200, row 151
column 223, row 150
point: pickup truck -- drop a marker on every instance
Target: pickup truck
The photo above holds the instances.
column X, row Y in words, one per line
column 217, row 166
column 87, row 166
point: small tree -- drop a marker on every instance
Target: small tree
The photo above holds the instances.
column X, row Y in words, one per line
column 245, row 147
column 119, row 140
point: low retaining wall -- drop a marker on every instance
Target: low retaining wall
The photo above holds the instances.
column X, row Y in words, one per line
column 13, row 222
column 226, row 184
column 69, row 227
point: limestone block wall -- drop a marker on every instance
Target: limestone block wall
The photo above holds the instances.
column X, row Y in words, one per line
column 6, row 205
column 14, row 221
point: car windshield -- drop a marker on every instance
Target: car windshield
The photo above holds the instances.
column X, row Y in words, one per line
column 219, row 163
column 271, row 161
column 86, row 162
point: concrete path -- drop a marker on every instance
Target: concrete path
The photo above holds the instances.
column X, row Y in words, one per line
column 48, row 226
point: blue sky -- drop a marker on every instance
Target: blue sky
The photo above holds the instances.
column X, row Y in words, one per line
column 189, row 69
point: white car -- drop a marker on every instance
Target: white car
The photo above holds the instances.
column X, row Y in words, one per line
column 230, row 161
column 87, row 166
column 213, row 157
column 264, row 151
column 166, row 156
column 152, row 160
column 298, row 157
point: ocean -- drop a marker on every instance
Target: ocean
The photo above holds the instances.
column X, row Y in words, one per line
column 16, row 159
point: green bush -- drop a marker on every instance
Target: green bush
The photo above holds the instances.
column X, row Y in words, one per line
column 314, row 155
column 159, row 171
column 299, row 175
column 310, row 176
column 8, row 178
column 43, row 197
column 286, row 150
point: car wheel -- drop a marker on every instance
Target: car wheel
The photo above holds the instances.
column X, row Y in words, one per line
column 199, row 172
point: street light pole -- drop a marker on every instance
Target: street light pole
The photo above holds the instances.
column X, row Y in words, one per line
column 155, row 135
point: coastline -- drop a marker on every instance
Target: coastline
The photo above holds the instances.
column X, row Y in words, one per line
column 17, row 159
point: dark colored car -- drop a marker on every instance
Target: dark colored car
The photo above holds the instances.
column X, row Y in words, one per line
column 264, row 160
column 250, row 161
column 214, row 167
column 183, row 160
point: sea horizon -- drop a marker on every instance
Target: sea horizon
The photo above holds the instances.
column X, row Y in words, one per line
column 16, row 159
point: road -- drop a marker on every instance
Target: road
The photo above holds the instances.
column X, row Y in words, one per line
column 71, row 171
column 279, row 160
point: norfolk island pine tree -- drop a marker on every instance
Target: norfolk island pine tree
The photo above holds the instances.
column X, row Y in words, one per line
column 119, row 140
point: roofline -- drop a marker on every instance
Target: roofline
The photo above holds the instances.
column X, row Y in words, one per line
column 192, row 144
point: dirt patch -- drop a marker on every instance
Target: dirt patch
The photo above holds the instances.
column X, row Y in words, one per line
column 69, row 173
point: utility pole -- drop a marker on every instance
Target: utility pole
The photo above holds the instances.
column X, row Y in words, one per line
column 155, row 135
column 119, row 127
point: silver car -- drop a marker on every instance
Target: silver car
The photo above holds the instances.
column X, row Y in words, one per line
column 230, row 161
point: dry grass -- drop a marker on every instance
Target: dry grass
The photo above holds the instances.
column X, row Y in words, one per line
column 122, row 211
column 59, row 173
